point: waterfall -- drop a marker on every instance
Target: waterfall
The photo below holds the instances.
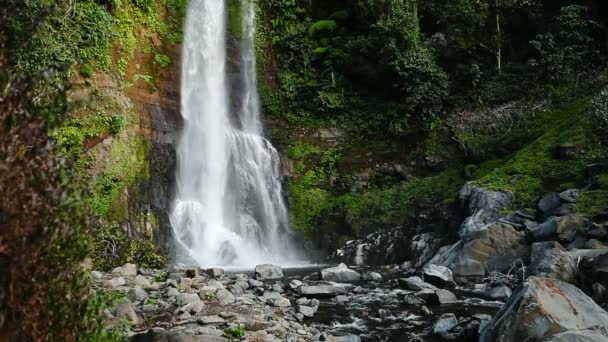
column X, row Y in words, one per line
column 229, row 208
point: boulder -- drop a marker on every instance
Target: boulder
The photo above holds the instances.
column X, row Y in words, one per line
column 340, row 273
column 445, row 296
column 142, row 282
column 161, row 335
column 212, row 319
column 268, row 272
column 593, row 272
column 439, row 276
column 322, row 290
column 127, row 312
column 137, row 294
column 191, row 308
column 129, row 270
column 413, row 300
column 215, row 272
column 373, row 276
column 415, row 284
column 116, row 282
column 561, row 228
column 579, row 336
column 541, row 308
column 225, row 297
column 570, row 195
column 501, row 293
column 307, row 311
column 255, row 283
column 186, row 298
column 482, row 206
column 445, row 323
column 551, row 260
column 548, row 203
column 494, row 249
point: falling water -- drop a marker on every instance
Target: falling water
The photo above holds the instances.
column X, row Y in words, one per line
column 229, row 208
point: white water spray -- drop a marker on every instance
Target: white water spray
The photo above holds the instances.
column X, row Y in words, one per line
column 229, row 209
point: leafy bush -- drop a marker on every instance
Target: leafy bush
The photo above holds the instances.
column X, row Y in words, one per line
column 598, row 110
column 162, row 60
column 322, row 27
column 116, row 123
column 234, row 333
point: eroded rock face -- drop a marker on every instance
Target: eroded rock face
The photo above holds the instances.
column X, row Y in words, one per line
column 493, row 249
column 542, row 308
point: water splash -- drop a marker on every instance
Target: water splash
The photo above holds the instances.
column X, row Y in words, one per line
column 229, row 208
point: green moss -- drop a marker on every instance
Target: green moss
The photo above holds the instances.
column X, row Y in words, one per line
column 602, row 181
column 536, row 168
column 322, row 27
column 234, row 18
column 591, row 203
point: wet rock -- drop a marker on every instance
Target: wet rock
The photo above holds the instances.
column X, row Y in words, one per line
column 414, row 300
column 340, row 273
column 500, row 293
column 439, row 276
column 541, row 308
column 268, row 272
column 186, row 298
column 137, row 294
column 551, row 260
column 445, row 296
column 548, row 203
column 322, row 290
column 561, row 228
column 593, row 272
column 372, row 276
column 215, row 272
column 161, row 335
column 445, row 323
column 345, row 338
column 225, row 297
column 523, row 213
column 307, row 311
column 565, row 210
column 415, row 283
column 342, row 299
column 494, row 249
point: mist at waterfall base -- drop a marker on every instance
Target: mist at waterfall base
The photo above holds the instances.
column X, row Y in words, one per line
column 229, row 208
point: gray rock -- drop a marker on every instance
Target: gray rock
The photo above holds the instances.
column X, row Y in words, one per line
column 579, row 336
column 294, row 284
column 445, row 296
column 161, row 335
column 372, row 276
column 225, row 297
column 548, row 203
column 501, row 293
column 281, row 302
column 171, row 292
column 268, row 272
column 597, row 232
column 142, row 282
column 127, row 312
column 322, row 290
column 342, row 299
column 137, row 294
column 116, row 282
column 96, row 275
column 186, row 298
column 340, row 273
column 307, row 311
column 561, row 228
column 414, row 300
column 439, row 276
column 345, row 338
column 184, row 283
column 551, row 260
column 129, row 270
column 570, row 195
column 213, row 319
column 191, row 308
column 483, row 207
column 415, row 283
column 445, row 323
column 215, row 272
column 255, row 283
column 565, row 210
column 302, row 301
column 541, row 308
column 494, row 249
column 277, row 288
